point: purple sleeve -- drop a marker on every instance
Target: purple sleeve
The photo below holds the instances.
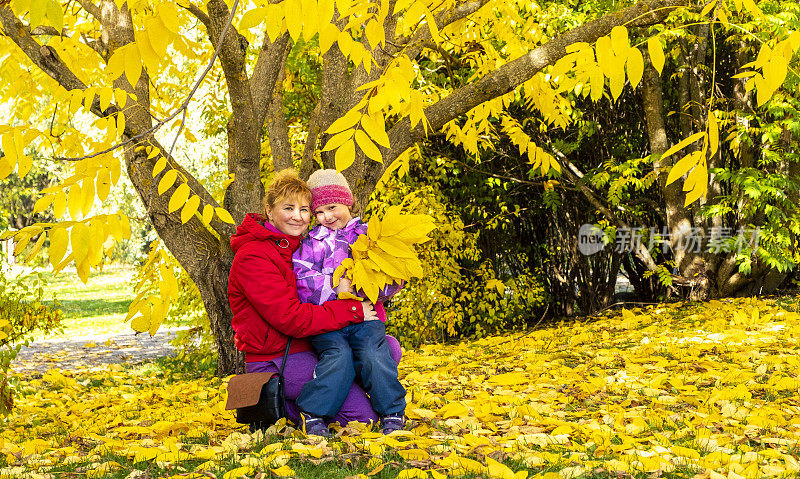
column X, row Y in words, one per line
column 308, row 271
column 390, row 290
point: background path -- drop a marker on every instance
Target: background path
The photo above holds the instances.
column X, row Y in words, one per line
column 93, row 351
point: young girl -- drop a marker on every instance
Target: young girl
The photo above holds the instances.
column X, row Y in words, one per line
column 355, row 351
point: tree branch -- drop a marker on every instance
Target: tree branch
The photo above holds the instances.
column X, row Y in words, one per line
column 270, row 65
column 333, row 103
column 509, row 76
column 44, row 57
column 422, row 35
column 93, row 9
column 277, row 127
column 198, row 13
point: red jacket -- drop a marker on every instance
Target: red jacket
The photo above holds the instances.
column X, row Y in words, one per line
column 262, row 291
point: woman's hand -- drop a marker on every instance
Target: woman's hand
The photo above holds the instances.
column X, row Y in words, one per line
column 369, row 311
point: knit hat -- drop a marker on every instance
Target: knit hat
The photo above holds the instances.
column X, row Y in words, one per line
column 329, row 186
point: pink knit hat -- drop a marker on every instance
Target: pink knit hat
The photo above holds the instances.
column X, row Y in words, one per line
column 329, row 186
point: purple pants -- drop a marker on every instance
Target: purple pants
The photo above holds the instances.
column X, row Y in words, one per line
column 300, row 369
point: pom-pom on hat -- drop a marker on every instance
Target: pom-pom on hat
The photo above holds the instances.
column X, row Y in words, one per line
column 329, row 186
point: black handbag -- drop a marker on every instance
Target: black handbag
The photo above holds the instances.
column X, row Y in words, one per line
column 258, row 398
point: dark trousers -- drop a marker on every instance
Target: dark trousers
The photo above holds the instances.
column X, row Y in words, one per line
column 358, row 351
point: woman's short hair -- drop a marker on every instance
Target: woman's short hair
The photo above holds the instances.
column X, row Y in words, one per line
column 286, row 184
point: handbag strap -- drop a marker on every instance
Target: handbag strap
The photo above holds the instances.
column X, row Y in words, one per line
column 285, row 355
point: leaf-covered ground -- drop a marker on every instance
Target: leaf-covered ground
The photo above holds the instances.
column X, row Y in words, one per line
column 703, row 390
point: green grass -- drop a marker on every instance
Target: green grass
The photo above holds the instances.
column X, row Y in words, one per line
column 97, row 307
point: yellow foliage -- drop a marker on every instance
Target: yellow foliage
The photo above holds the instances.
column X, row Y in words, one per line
column 385, row 255
column 734, row 413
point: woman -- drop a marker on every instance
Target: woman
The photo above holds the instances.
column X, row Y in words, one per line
column 262, row 291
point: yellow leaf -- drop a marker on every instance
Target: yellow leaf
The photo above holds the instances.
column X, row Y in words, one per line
column 347, row 121
column 294, row 18
column 223, row 215
column 310, row 20
column 683, row 144
column 87, row 195
column 121, row 97
column 190, row 208
column 656, row 54
column 775, row 72
column 168, row 14
column 83, row 270
column 368, row 147
column 510, row 379
column 620, row 43
column 374, row 229
column 103, row 184
column 252, row 18
column 38, row 10
column 167, row 181
column 751, row 7
column 348, row 295
column 763, row 93
column 283, row 471
column 55, row 15
column 412, row 473
column 208, row 214
column 597, row 82
column 179, row 197
column 133, row 63
column 700, row 184
column 635, row 66
column 35, row 248
column 498, row 470
column 713, row 133
column 453, row 409
column 43, row 203
column 157, row 314
column 159, row 166
column 141, row 323
column 345, row 155
column 415, row 454
column 605, row 54
column 374, row 33
column 328, row 33
column 158, row 36
column 616, row 81
column 681, row 168
column 386, row 263
column 106, row 95
column 60, row 204
column 338, row 140
column 396, row 247
column 10, row 156
column 709, row 6
column 79, row 238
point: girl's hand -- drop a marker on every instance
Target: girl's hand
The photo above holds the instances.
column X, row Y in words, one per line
column 345, row 286
column 369, row 311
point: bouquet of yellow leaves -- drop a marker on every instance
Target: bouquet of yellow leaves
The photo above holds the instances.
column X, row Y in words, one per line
column 386, row 254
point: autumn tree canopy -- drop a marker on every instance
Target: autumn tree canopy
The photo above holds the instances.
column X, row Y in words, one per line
column 105, row 86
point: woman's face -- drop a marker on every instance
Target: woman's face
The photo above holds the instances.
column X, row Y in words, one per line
column 290, row 215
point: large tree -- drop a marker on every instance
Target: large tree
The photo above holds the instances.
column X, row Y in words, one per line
column 131, row 65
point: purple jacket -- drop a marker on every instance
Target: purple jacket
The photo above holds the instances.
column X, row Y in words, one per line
column 318, row 256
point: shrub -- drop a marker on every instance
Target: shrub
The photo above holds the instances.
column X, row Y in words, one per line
column 22, row 314
column 461, row 294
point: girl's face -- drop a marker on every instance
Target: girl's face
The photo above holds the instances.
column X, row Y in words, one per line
column 290, row 215
column 333, row 216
